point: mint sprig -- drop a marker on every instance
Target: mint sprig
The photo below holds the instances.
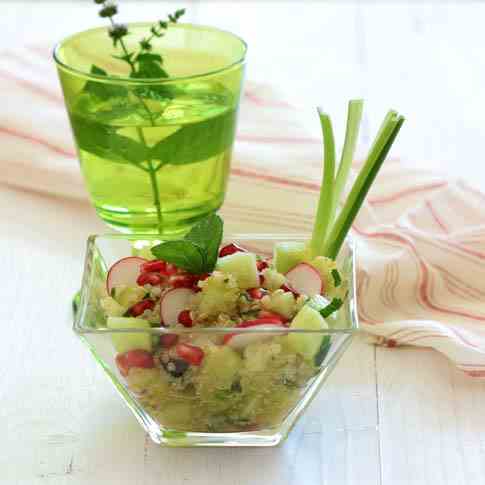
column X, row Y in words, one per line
column 197, row 252
column 143, row 64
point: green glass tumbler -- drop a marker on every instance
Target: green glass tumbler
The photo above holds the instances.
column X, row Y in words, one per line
column 155, row 152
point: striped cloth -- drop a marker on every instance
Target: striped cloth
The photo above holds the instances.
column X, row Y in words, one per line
column 420, row 236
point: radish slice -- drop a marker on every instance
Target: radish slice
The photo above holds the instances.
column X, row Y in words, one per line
column 305, row 279
column 240, row 340
column 173, row 303
column 124, row 272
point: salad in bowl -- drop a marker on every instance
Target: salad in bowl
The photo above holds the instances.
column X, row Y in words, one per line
column 217, row 340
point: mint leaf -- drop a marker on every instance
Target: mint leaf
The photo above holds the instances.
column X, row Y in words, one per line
column 197, row 252
column 197, row 141
column 149, row 57
column 103, row 141
column 184, row 254
column 149, row 66
column 207, row 234
column 103, row 90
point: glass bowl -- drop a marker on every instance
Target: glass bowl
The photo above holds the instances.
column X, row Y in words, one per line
column 239, row 400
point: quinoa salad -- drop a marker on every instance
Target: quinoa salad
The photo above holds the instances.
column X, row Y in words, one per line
column 222, row 381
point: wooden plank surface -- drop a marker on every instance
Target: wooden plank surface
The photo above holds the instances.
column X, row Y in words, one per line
column 60, row 421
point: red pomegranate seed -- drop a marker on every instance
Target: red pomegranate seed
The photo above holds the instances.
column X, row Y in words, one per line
column 182, row 281
column 156, row 266
column 138, row 308
column 190, row 353
column 230, row 249
column 290, row 289
column 139, row 358
column 262, row 265
column 134, row 358
column 168, row 340
column 153, row 279
column 122, row 365
column 185, row 319
column 170, row 269
column 255, row 293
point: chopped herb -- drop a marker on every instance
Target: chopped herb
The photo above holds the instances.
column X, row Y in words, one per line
column 337, row 280
column 332, row 307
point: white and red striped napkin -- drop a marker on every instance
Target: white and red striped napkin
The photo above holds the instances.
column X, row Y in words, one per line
column 421, row 236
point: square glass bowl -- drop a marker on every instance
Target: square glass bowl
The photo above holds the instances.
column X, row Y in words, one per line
column 250, row 398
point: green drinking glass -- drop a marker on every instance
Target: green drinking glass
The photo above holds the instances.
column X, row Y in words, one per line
column 155, row 153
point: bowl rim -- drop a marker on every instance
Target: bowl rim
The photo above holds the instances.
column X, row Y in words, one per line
column 81, row 329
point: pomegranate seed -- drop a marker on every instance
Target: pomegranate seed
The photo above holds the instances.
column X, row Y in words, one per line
column 121, row 364
column 156, row 266
column 153, row 279
column 134, row 358
column 290, row 289
column 185, row 319
column 262, row 265
column 138, row 308
column 182, row 281
column 170, row 269
column 190, row 353
column 139, row 358
column 168, row 340
column 255, row 293
column 230, row 249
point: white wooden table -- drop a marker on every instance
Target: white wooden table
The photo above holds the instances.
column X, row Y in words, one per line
column 386, row 416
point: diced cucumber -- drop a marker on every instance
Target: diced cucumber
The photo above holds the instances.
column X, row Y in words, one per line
column 111, row 307
column 123, row 342
column 287, row 255
column 307, row 344
column 243, row 267
column 219, row 370
column 127, row 296
column 272, row 280
column 282, row 302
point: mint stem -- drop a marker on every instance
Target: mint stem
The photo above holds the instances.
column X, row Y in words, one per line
column 152, row 171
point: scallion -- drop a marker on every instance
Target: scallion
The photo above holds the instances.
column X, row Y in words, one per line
column 328, row 236
column 324, row 212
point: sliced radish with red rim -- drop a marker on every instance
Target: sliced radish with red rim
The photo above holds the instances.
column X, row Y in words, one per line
column 305, row 279
column 124, row 272
column 238, row 340
column 172, row 303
